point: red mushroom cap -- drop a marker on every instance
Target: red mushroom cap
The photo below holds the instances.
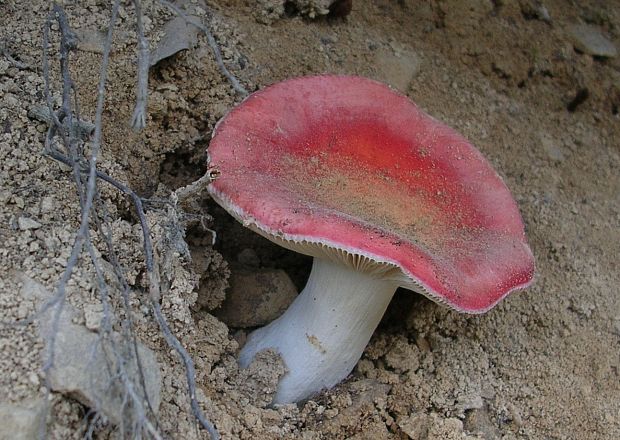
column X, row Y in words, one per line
column 343, row 167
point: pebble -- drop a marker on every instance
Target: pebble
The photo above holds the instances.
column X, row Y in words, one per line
column 468, row 402
column 590, row 40
column 19, row 202
column 415, row 426
column 21, row 420
column 329, row 39
column 11, row 100
column 26, row 223
column 93, row 315
column 396, row 68
column 33, row 378
column 554, row 152
column 47, row 204
column 256, row 297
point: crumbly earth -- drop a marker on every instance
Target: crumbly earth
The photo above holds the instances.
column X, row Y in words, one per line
column 545, row 363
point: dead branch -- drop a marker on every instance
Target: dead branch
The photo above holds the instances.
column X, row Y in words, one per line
column 85, row 175
column 155, row 297
column 138, row 121
column 62, row 122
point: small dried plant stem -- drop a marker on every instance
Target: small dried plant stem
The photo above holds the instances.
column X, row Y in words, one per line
column 85, row 175
column 155, row 294
column 67, row 44
column 138, row 121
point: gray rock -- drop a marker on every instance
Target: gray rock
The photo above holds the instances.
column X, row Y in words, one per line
column 256, row 297
column 178, row 35
column 552, row 148
column 466, row 402
column 590, row 40
column 93, row 315
column 415, row 425
column 91, row 40
column 396, row 68
column 26, row 223
column 21, row 421
column 84, row 364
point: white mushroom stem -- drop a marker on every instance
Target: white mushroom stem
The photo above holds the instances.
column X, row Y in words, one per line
column 323, row 333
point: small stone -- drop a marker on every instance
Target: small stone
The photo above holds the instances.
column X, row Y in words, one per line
column 468, row 402
column 447, row 428
column 256, row 297
column 331, row 413
column 5, row 196
column 178, row 35
column 396, row 69
column 51, row 243
column 19, row 202
column 93, row 314
column 543, row 13
column 90, row 40
column 11, row 100
column 251, row 419
column 329, row 39
column 26, row 223
column 590, row 40
column 554, row 152
column 47, row 204
column 22, row 420
column 314, row 8
column 414, row 425
column 33, row 378
column 259, row 381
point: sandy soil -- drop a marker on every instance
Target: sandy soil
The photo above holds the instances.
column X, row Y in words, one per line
column 544, row 364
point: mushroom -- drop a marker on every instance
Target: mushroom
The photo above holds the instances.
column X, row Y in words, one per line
column 382, row 195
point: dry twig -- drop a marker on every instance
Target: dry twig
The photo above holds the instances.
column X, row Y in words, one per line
column 85, row 175
column 138, row 121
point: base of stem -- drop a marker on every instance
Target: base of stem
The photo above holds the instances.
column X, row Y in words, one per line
column 323, row 333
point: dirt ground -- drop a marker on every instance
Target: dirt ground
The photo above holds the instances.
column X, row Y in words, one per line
column 544, row 364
